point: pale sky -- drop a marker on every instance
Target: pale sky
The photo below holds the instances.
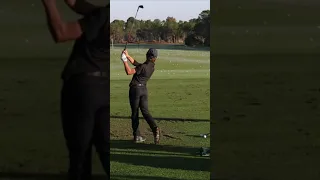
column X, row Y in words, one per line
column 157, row 9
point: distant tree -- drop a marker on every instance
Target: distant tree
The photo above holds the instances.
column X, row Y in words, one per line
column 117, row 30
column 194, row 32
column 201, row 30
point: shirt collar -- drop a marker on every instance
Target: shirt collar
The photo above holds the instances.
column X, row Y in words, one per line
column 151, row 62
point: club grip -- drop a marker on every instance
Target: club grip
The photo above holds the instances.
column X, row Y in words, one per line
column 125, row 46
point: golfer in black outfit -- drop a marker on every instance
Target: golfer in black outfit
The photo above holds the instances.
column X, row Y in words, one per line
column 138, row 93
column 85, row 93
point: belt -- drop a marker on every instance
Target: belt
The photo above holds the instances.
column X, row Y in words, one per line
column 92, row 74
column 97, row 74
column 133, row 85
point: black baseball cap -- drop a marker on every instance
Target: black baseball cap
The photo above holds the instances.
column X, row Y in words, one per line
column 152, row 53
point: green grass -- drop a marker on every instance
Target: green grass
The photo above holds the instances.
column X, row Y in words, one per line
column 265, row 27
column 31, row 137
column 265, row 94
column 266, row 115
column 178, row 89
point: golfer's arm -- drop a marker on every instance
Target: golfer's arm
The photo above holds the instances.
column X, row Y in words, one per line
column 128, row 69
column 80, row 6
column 132, row 61
column 60, row 30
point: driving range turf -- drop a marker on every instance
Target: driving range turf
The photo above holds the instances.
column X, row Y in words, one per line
column 265, row 91
column 32, row 143
column 179, row 93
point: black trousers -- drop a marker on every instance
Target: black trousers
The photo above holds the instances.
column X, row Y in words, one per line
column 85, row 120
column 138, row 97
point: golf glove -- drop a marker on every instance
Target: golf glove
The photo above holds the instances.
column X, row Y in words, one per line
column 124, row 58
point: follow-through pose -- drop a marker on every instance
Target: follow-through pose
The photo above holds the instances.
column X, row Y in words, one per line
column 86, row 91
column 138, row 93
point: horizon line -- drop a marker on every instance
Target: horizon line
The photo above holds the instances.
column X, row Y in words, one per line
column 160, row 19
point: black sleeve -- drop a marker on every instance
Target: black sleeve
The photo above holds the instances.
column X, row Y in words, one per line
column 84, row 7
column 135, row 63
column 93, row 22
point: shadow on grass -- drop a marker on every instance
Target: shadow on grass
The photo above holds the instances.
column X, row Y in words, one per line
column 196, row 136
column 145, row 153
column 169, row 161
column 40, row 176
column 128, row 144
column 140, row 178
column 166, row 119
column 63, row 176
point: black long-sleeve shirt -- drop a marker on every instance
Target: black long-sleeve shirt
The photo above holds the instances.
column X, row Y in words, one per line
column 143, row 73
column 91, row 51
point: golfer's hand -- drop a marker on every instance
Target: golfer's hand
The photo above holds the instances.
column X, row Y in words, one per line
column 123, row 57
column 125, row 52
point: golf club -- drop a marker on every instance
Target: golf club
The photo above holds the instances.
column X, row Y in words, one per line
column 141, row 6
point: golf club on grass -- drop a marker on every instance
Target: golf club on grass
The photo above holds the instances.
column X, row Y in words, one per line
column 141, row 6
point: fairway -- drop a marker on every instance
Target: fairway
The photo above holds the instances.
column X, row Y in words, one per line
column 265, row 91
column 32, row 143
column 179, row 93
column 32, row 140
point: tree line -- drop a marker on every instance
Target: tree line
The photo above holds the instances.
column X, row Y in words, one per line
column 194, row 32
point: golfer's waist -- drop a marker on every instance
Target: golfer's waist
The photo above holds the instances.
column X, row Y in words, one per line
column 94, row 74
column 137, row 85
column 87, row 74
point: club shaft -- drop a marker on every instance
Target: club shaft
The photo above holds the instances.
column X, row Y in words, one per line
column 134, row 20
column 131, row 27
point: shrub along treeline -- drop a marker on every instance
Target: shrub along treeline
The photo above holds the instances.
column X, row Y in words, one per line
column 192, row 33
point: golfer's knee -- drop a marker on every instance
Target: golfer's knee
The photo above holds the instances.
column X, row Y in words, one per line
column 145, row 112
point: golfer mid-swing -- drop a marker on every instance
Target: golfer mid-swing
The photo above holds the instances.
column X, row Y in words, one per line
column 138, row 93
column 85, row 94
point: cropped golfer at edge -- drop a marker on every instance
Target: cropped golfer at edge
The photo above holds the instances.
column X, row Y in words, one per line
column 85, row 95
column 138, row 93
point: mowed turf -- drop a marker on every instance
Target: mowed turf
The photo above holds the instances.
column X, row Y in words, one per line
column 266, row 114
column 265, row 92
column 179, row 93
column 32, row 142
